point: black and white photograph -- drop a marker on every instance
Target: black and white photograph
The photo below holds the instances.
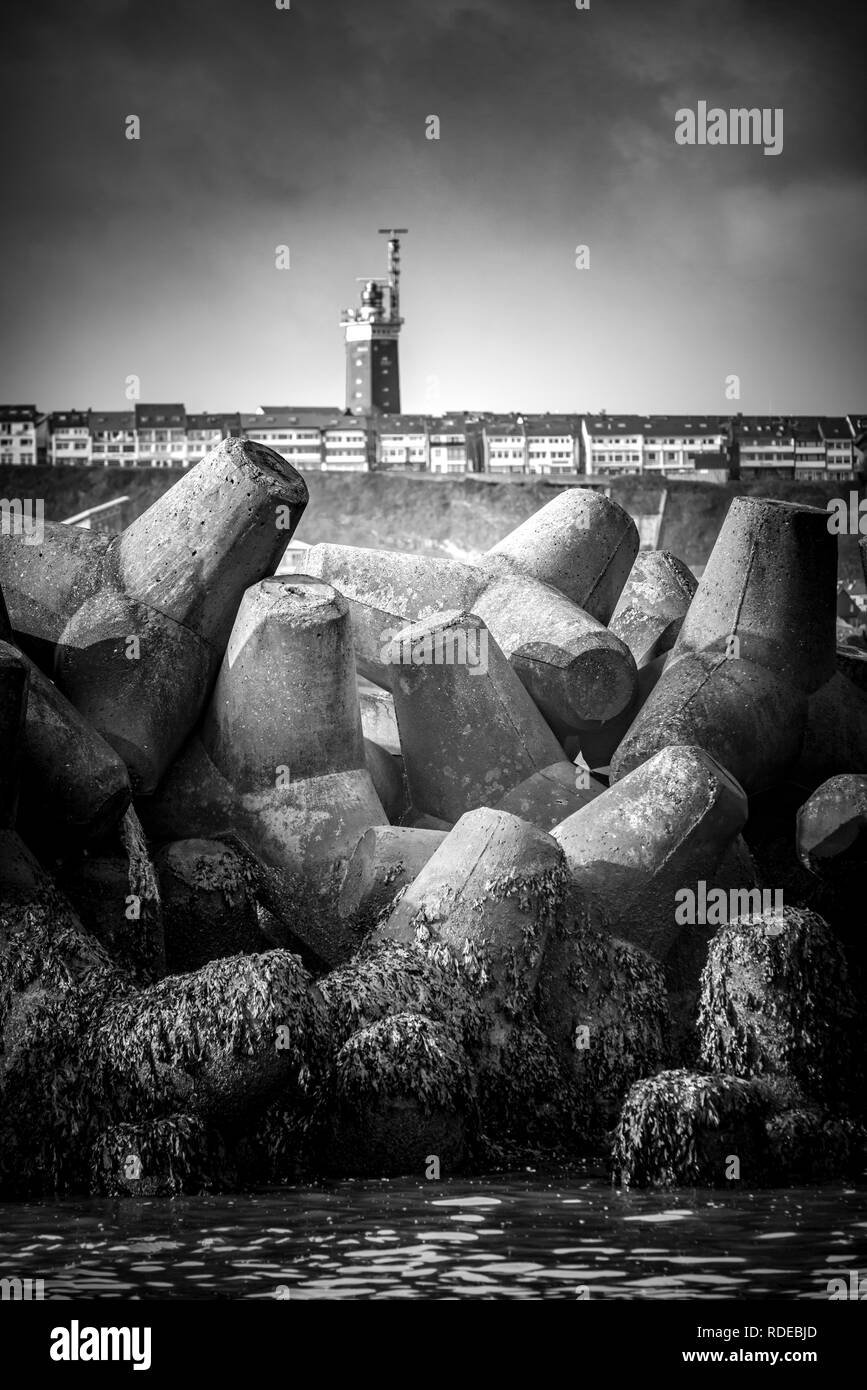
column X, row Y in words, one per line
column 433, row 672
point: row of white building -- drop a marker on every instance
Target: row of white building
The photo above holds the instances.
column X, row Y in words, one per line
column 710, row 447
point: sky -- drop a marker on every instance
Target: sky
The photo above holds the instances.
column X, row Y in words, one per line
column 306, row 127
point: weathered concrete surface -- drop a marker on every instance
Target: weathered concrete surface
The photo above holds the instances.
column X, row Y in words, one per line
column 832, row 820
column 574, row 668
column 74, row 784
column 490, row 896
column 770, row 582
column 581, row 543
column 468, row 729
column 598, row 745
column 835, row 737
column 385, row 590
column 661, row 828
column 138, row 625
column 739, row 712
column 386, row 858
column 653, row 604
column 378, row 719
column 547, row 797
column 281, row 756
column 386, row 773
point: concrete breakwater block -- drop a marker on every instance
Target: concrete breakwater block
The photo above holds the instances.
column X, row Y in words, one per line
column 378, row 719
column 468, row 729
column 661, row 828
column 401, row 1099
column 208, row 908
column 490, row 895
column 835, row 735
column 599, row 744
column 602, row 1003
column 386, row 773
column 574, row 668
column 581, row 543
column 737, row 711
column 386, row 589
column 280, row 754
column 776, row 1002
column 386, row 858
column 653, row 604
column 769, row 587
column 832, row 821
column 548, row 796
column 137, row 642
column 74, row 785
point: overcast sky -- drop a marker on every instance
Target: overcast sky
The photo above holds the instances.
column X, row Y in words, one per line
column 306, row 127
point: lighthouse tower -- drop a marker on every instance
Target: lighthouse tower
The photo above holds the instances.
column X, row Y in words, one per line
column 371, row 333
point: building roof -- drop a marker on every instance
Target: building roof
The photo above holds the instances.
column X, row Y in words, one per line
column 68, row 419
column 111, row 420
column 18, row 414
column 835, row 427
column 148, row 417
column 682, row 426
column 614, row 424
column 214, row 420
column 402, row 424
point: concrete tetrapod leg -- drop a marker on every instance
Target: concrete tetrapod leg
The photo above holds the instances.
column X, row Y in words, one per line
column 768, row 593
column 386, row 772
column 599, row 745
column 386, row 858
column 280, row 757
column 653, row 604
column 835, row 738
column 385, row 590
column 662, row 828
column 378, row 719
column 468, row 729
column 74, row 784
column 574, row 668
column 581, row 543
column 742, row 714
column 139, row 652
column 832, row 820
column 490, row 895
column 46, row 584
column 547, row 797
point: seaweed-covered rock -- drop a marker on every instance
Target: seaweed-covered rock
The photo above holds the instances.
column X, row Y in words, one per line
column 525, row 1102
column 489, row 897
column 218, row 1042
column 776, row 1001
column 208, row 908
column 394, row 979
column 83, row 1050
column 682, row 1128
column 602, row 1003
column 158, row 1158
column 806, row 1145
column 402, row 1095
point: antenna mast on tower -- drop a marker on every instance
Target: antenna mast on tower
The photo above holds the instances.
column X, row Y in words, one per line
column 393, row 233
